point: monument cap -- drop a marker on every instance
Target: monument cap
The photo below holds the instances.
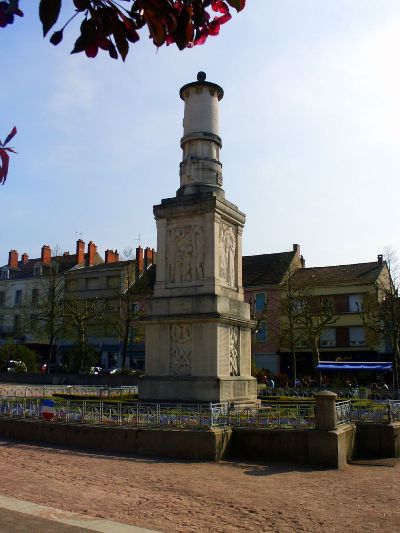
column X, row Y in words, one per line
column 201, row 82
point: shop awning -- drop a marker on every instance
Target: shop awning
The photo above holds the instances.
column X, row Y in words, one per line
column 347, row 366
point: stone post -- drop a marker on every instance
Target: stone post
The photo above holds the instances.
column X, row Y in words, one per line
column 325, row 411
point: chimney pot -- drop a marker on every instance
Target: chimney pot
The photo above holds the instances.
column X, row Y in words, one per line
column 13, row 259
column 92, row 249
column 24, row 258
column 139, row 261
column 80, row 252
column 46, row 254
column 380, row 259
column 296, row 248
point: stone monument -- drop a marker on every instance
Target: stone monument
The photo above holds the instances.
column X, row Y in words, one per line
column 198, row 327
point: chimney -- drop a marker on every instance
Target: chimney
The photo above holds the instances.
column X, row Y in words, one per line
column 46, row 254
column 24, row 258
column 109, row 256
column 92, row 250
column 116, row 256
column 80, row 252
column 13, row 259
column 139, row 261
column 303, row 262
column 296, row 248
column 380, row 259
column 65, row 254
column 148, row 258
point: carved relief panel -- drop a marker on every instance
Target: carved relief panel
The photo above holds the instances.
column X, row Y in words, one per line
column 180, row 353
column 227, row 254
column 185, row 254
column 234, row 347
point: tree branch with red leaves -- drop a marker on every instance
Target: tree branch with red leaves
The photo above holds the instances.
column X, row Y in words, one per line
column 4, row 157
column 111, row 25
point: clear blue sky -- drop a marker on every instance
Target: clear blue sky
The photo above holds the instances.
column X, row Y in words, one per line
column 310, row 125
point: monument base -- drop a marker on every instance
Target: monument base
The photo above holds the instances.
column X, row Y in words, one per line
column 192, row 389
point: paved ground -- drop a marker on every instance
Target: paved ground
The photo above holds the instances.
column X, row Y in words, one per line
column 12, row 522
column 171, row 496
column 23, row 516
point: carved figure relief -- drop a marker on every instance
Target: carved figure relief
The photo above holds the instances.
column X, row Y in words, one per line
column 186, row 254
column 234, row 369
column 180, row 353
column 227, row 254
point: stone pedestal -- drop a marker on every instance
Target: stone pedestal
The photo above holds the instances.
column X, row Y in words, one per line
column 198, row 327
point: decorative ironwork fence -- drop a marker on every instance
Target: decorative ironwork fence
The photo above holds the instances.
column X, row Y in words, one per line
column 165, row 415
column 383, row 412
column 202, row 416
column 343, row 412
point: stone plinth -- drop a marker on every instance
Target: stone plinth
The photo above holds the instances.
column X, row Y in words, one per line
column 198, row 327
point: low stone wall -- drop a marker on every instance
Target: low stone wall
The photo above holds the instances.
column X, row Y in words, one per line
column 378, row 440
column 332, row 449
column 39, row 391
column 306, row 447
column 194, row 445
column 28, row 378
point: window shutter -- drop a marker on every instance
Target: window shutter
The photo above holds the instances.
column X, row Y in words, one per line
column 342, row 337
column 342, row 303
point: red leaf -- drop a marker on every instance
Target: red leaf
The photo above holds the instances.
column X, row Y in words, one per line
column 220, row 6
column 4, row 169
column 237, row 4
column 10, row 135
column 91, row 50
column 48, row 13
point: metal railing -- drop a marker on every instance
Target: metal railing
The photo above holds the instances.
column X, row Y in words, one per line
column 197, row 416
column 140, row 415
column 383, row 412
column 343, row 412
column 308, row 392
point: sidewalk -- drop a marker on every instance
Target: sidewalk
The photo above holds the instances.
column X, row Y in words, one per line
column 27, row 517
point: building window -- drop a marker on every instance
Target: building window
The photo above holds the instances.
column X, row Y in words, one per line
column 5, row 273
column 357, row 336
column 2, row 298
column 18, row 297
column 35, row 296
column 328, row 337
column 17, row 323
column 261, row 335
column 260, row 301
column 355, row 303
column 37, row 270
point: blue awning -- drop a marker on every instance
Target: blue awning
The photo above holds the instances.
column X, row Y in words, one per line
column 347, row 366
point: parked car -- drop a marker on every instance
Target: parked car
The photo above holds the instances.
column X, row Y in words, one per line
column 16, row 366
column 109, row 371
column 95, row 370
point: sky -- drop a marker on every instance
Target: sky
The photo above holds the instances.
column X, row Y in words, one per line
column 310, row 124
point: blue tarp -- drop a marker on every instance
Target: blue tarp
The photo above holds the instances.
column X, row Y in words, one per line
column 350, row 367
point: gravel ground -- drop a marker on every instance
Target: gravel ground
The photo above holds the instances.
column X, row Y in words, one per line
column 171, row 496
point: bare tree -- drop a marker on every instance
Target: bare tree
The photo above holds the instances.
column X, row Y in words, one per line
column 291, row 331
column 382, row 314
column 79, row 315
column 131, row 298
column 47, row 319
column 315, row 313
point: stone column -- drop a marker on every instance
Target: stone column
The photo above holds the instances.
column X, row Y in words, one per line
column 325, row 411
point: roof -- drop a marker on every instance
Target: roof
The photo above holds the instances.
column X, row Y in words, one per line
column 105, row 266
column 265, row 269
column 358, row 272
column 64, row 262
